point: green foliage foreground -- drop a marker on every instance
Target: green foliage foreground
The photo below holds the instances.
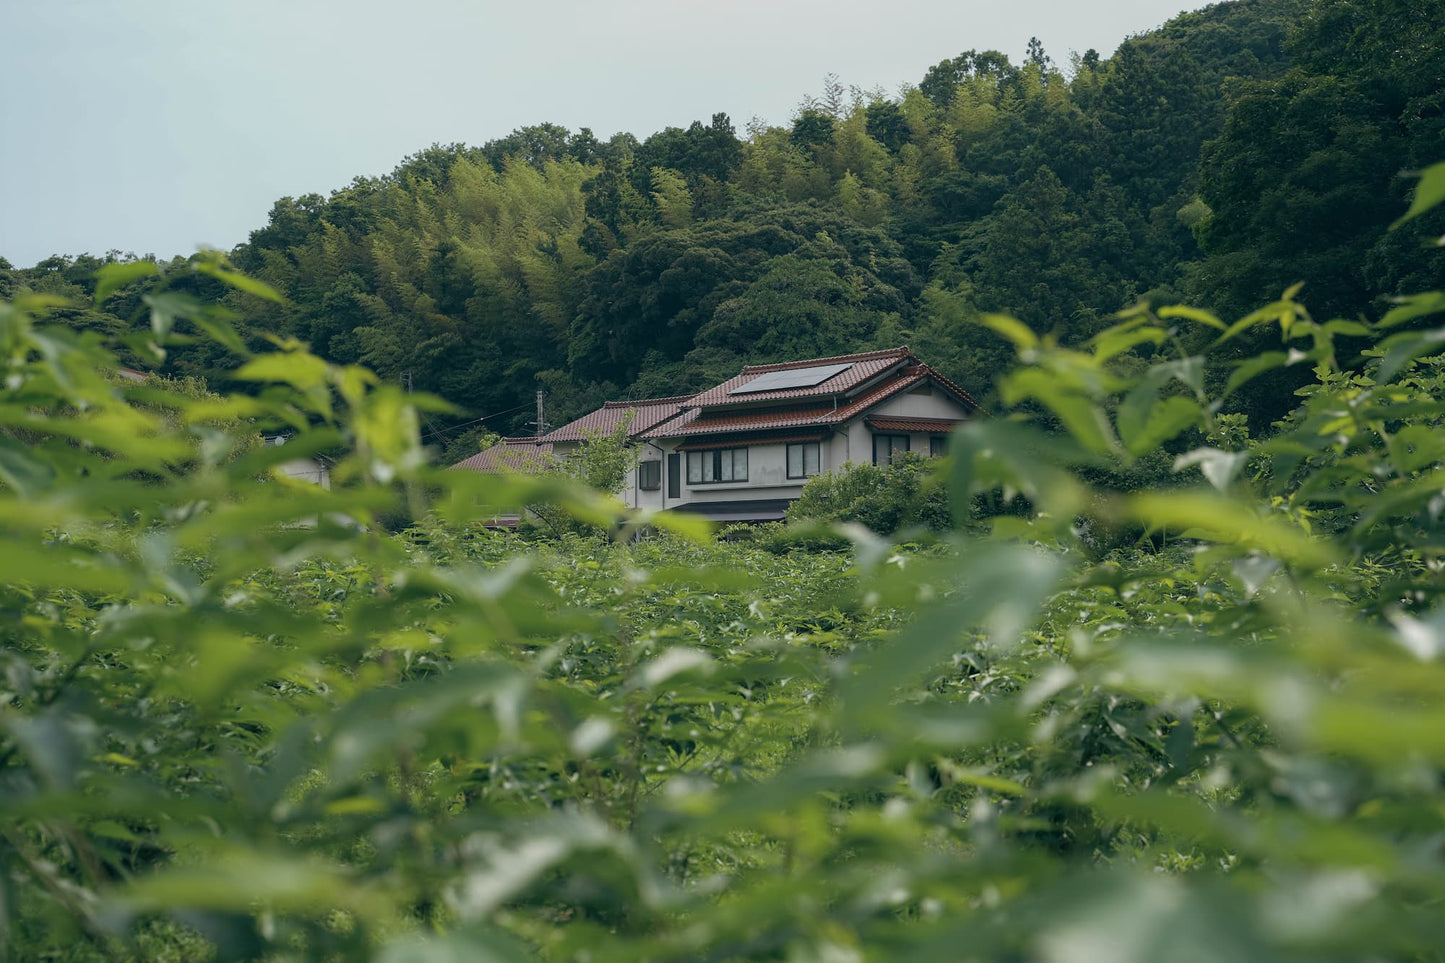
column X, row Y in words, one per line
column 243, row 722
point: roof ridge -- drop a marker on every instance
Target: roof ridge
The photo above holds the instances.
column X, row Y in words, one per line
column 643, row 402
column 898, row 352
column 951, row 384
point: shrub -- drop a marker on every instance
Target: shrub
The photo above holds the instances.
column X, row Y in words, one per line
column 886, row 499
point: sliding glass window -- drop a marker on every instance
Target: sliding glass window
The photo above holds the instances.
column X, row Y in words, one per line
column 804, row 459
column 720, row 465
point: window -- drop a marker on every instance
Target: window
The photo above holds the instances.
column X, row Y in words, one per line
column 649, row 475
column 723, row 465
column 937, row 445
column 886, row 446
column 804, row 459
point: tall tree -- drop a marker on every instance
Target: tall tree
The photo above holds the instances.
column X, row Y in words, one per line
column 1308, row 172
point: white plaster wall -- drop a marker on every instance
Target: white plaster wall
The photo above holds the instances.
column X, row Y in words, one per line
column 837, row 450
column 629, row 493
column 863, row 444
column 308, row 470
column 936, row 405
column 638, row 498
column 860, row 442
column 767, row 478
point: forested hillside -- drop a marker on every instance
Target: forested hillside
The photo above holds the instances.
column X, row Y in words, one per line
column 1219, row 159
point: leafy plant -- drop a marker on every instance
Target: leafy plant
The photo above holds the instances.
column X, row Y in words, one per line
column 883, row 498
column 240, row 719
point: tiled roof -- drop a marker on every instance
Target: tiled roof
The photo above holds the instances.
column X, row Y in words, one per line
column 702, row 421
column 871, row 378
column 890, row 423
column 864, row 367
column 958, row 390
column 693, row 421
column 647, row 413
column 512, row 454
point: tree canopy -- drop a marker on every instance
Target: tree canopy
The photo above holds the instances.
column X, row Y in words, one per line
column 1224, row 156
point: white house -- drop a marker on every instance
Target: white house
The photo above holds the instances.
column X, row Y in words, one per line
column 641, row 416
column 309, row 468
column 742, row 451
column 540, row 453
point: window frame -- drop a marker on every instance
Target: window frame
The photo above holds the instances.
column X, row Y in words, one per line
column 714, row 456
column 817, row 447
column 656, row 470
column 892, row 448
column 937, row 446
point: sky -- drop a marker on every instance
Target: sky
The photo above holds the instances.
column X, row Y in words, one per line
column 160, row 126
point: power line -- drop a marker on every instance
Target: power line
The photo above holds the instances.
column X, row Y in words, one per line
column 474, row 421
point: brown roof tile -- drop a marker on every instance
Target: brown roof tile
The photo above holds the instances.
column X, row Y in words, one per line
column 512, row 454
column 957, row 389
column 713, row 421
column 646, row 414
column 865, row 367
column 890, row 423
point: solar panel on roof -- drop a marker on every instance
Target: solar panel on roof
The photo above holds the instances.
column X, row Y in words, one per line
column 791, row 378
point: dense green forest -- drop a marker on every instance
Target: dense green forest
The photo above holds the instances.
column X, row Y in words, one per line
column 1231, row 153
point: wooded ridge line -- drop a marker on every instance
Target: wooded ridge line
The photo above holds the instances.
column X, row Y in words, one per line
column 1217, row 160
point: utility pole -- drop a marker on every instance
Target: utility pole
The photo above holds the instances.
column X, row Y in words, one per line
column 541, row 421
column 406, row 381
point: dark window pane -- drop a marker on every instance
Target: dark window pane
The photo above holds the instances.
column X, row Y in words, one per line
column 886, row 446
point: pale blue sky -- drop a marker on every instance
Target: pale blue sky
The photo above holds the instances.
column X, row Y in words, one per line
column 160, row 125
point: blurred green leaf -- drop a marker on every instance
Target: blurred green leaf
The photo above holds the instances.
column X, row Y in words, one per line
column 1001, row 588
column 1164, row 420
column 240, row 880
column 1429, row 193
column 295, row 368
column 1080, row 416
column 1211, row 517
column 1116, row 341
column 21, row 472
column 1011, row 328
column 1411, row 307
column 1220, row 468
column 1405, row 347
column 467, row 946
column 1192, row 314
column 113, row 277
column 217, row 268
